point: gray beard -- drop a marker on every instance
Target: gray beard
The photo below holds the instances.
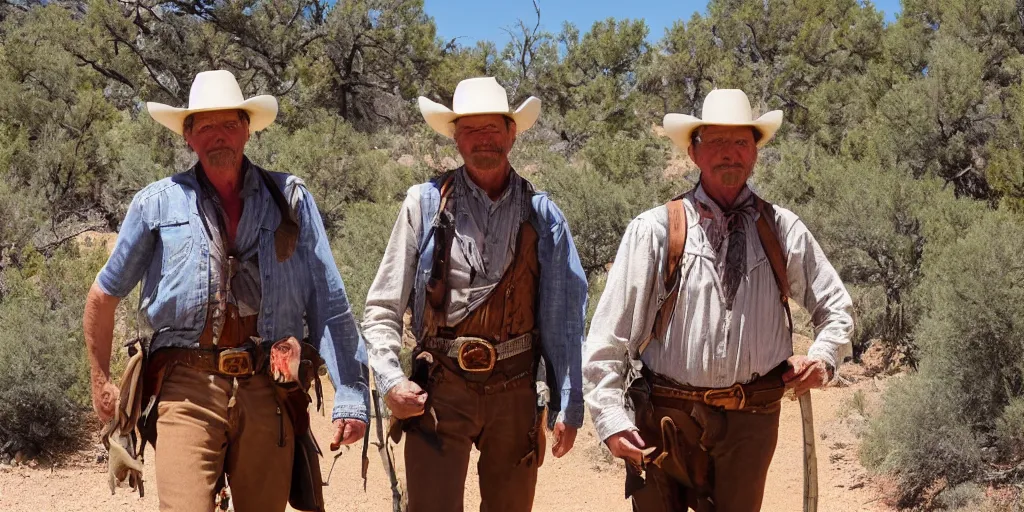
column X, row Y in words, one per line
column 486, row 163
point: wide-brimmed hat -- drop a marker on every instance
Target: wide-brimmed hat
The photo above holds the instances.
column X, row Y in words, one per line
column 478, row 96
column 216, row 90
column 723, row 107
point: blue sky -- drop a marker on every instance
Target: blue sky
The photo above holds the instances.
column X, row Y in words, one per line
column 473, row 20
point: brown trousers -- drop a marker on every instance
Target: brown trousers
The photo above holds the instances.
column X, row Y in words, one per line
column 498, row 425
column 740, row 446
column 202, row 434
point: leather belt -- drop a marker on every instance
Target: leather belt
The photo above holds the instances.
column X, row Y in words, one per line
column 476, row 354
column 761, row 392
column 243, row 361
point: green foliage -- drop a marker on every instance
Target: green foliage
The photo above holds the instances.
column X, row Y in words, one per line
column 622, row 159
column 597, row 209
column 967, row 396
column 339, row 165
column 919, row 436
column 901, row 151
column 967, row 496
column 360, row 247
column 44, row 374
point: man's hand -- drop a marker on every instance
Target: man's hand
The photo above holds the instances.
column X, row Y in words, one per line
column 627, row 445
column 347, row 431
column 406, row 400
column 104, row 398
column 564, row 437
column 805, row 374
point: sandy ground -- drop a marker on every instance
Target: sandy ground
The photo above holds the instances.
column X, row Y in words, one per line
column 584, row 480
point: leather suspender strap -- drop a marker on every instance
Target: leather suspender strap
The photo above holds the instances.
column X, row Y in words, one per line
column 444, row 232
column 286, row 236
column 446, row 190
column 676, row 239
column 768, row 232
column 677, row 227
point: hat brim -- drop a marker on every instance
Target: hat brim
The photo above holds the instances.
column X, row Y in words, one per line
column 262, row 112
column 679, row 127
column 442, row 119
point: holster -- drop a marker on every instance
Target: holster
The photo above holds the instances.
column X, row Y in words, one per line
column 307, row 481
column 123, row 436
column 423, row 369
column 682, row 443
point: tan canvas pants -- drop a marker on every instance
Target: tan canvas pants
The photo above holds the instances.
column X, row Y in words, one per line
column 498, row 425
column 201, row 434
column 742, row 446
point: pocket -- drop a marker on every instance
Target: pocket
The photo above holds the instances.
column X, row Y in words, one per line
column 176, row 242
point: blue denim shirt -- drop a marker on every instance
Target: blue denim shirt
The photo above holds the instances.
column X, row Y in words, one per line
column 562, row 299
column 163, row 243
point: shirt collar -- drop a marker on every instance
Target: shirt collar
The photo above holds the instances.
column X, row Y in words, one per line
column 478, row 193
column 744, row 201
column 251, row 182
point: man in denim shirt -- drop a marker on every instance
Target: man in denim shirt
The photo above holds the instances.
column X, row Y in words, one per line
column 495, row 284
column 212, row 249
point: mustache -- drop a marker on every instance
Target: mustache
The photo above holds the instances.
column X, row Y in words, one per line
column 723, row 167
column 487, row 147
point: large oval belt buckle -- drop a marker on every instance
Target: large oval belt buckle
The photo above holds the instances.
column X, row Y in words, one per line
column 235, row 362
column 732, row 398
column 477, row 355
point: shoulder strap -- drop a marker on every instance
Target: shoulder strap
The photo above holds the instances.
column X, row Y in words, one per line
column 429, row 209
column 286, row 236
column 443, row 233
column 677, row 226
column 768, row 232
column 446, row 190
column 676, row 239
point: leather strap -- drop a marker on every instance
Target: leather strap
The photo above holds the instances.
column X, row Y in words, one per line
column 513, row 347
column 762, row 391
column 676, row 239
column 202, row 359
column 444, row 232
column 677, row 227
column 286, row 236
column 768, row 233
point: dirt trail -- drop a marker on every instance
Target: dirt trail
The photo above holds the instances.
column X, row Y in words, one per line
column 582, row 481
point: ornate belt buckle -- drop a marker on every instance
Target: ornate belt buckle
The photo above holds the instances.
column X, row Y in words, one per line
column 476, row 355
column 732, row 398
column 235, row 362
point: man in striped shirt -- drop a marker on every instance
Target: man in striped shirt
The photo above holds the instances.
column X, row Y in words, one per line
column 705, row 387
column 488, row 267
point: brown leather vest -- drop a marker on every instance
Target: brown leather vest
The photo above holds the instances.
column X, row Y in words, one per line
column 511, row 308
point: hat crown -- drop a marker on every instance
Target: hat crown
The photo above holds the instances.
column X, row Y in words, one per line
column 212, row 89
column 483, row 95
column 726, row 106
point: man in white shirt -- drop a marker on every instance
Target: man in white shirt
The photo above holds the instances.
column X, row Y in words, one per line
column 700, row 341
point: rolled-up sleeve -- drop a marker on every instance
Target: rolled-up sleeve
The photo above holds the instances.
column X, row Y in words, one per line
column 621, row 321
column 331, row 323
column 132, row 253
column 389, row 294
column 816, row 285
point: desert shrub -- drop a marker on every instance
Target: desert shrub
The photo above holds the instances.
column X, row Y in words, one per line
column 966, row 399
column 44, row 373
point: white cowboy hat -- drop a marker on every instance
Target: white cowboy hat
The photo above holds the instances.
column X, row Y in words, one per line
column 478, row 96
column 723, row 107
column 216, row 90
